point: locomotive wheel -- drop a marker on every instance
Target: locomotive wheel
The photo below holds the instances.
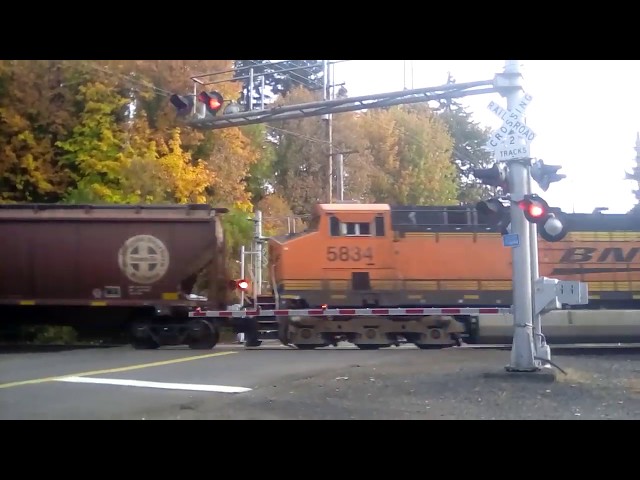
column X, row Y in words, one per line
column 283, row 331
column 144, row 344
column 369, row 346
column 430, row 346
column 306, row 346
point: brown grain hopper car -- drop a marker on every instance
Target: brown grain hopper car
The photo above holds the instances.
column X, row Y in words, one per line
column 116, row 267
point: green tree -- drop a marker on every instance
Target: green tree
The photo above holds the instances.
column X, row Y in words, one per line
column 469, row 153
column 634, row 176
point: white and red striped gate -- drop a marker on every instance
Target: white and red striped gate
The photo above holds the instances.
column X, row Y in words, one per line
column 350, row 312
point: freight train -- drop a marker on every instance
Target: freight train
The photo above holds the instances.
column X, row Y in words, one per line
column 370, row 274
column 378, row 256
column 104, row 268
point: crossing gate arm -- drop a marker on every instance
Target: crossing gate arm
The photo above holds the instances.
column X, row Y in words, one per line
column 349, row 312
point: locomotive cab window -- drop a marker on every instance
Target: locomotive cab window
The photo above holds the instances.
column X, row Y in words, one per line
column 351, row 229
column 348, row 229
column 379, row 226
column 334, row 226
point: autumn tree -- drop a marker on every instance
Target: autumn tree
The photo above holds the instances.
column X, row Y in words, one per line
column 301, row 156
column 278, row 219
column 411, row 151
column 36, row 111
column 93, row 153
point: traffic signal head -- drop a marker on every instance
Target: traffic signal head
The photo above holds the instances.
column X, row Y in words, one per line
column 212, row 101
column 183, row 104
column 549, row 220
column 545, row 175
column 495, row 176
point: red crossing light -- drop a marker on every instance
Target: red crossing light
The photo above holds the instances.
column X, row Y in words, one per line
column 550, row 221
column 535, row 208
column 212, row 101
column 242, row 284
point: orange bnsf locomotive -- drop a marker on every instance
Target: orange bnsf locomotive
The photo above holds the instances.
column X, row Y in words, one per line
column 382, row 256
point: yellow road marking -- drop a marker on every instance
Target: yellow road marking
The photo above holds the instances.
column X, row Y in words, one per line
column 112, row 370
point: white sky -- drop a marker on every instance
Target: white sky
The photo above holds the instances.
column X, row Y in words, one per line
column 586, row 114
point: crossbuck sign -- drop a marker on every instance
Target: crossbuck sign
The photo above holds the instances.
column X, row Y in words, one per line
column 513, row 138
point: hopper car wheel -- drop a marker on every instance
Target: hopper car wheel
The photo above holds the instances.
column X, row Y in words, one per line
column 307, row 346
column 209, row 339
column 141, row 338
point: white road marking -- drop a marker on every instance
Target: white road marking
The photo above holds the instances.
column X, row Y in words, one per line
column 168, row 386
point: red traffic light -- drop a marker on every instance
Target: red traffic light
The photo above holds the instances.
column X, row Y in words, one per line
column 212, row 100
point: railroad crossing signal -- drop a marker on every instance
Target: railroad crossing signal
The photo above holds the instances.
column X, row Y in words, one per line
column 212, row 101
column 512, row 139
column 241, row 285
column 495, row 176
column 537, row 210
column 545, row 175
column 183, row 103
column 497, row 211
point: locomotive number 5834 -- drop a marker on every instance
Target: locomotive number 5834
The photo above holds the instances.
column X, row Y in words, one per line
column 349, row 254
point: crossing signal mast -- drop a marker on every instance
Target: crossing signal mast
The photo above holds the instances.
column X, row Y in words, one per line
column 520, row 216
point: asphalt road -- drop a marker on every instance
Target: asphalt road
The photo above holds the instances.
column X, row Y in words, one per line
column 334, row 383
column 60, row 385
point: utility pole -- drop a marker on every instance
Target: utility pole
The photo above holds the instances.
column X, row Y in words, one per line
column 242, row 271
column 329, row 119
column 257, row 242
column 340, row 161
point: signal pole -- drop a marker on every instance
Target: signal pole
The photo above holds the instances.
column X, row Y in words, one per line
column 541, row 348
column 509, row 84
column 329, row 119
